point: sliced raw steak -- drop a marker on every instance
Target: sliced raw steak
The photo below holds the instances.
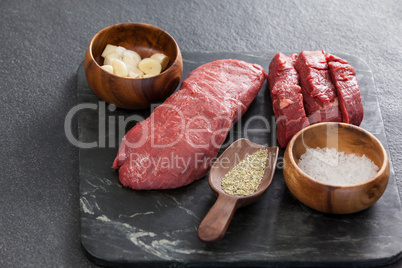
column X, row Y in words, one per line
column 344, row 77
column 287, row 100
column 176, row 144
column 319, row 93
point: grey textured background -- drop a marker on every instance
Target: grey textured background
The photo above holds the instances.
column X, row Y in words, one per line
column 43, row 43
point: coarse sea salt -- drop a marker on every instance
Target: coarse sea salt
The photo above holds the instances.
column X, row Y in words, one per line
column 329, row 166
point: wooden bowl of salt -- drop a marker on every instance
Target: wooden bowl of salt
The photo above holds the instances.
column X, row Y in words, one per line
column 336, row 168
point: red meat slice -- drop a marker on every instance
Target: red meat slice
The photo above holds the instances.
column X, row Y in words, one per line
column 319, row 93
column 344, row 78
column 176, row 144
column 287, row 100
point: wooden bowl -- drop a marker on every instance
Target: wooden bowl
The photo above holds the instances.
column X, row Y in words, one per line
column 133, row 93
column 328, row 198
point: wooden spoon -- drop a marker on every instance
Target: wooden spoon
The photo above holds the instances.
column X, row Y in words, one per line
column 215, row 223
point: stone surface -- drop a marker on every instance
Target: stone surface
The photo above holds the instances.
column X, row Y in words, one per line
column 44, row 42
column 160, row 227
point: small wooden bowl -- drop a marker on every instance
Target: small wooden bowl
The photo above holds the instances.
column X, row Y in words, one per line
column 335, row 199
column 133, row 93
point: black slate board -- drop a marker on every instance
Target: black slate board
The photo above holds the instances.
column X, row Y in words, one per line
column 120, row 226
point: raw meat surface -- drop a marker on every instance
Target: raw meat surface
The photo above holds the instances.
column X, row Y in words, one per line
column 350, row 102
column 287, row 100
column 319, row 93
column 177, row 143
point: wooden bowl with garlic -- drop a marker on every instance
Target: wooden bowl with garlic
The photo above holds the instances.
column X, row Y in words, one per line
column 132, row 65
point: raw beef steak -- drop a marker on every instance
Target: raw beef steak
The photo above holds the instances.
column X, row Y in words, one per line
column 287, row 100
column 350, row 102
column 319, row 93
column 176, row 144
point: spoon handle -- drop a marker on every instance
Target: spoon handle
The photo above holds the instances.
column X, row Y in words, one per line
column 215, row 223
